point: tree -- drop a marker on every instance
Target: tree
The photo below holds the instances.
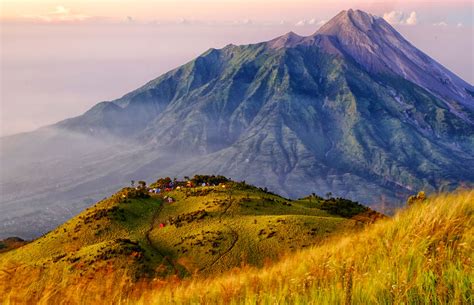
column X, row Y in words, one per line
column 162, row 183
column 328, row 195
column 133, row 183
column 142, row 184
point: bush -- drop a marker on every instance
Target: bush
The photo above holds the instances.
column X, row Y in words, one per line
column 161, row 183
column 132, row 193
column 343, row 207
column 216, row 180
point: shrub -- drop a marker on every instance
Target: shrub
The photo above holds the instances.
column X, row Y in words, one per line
column 343, row 207
column 209, row 179
column 162, row 183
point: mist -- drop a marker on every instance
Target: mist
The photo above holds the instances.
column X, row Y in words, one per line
column 52, row 174
column 52, row 72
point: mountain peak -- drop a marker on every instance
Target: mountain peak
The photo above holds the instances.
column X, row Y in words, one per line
column 349, row 20
column 375, row 45
column 290, row 39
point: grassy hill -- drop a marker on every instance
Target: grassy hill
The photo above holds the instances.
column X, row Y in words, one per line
column 424, row 255
column 241, row 245
column 135, row 237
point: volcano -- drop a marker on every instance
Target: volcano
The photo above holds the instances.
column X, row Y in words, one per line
column 354, row 109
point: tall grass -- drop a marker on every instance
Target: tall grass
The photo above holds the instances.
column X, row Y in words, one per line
column 423, row 255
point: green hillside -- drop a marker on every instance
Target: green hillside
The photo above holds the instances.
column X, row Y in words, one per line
column 423, row 255
column 135, row 235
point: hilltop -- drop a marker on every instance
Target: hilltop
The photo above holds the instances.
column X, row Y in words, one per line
column 187, row 229
column 232, row 243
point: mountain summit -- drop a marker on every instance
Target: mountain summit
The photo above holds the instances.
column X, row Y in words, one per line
column 376, row 46
column 379, row 48
column 353, row 109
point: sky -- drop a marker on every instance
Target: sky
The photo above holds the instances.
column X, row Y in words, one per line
column 59, row 58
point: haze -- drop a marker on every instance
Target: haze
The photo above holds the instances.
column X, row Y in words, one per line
column 59, row 60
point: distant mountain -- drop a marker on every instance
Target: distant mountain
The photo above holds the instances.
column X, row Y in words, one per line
column 354, row 109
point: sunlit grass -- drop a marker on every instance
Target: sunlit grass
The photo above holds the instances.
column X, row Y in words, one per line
column 421, row 256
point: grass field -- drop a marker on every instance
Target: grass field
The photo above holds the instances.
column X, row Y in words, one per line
column 241, row 245
column 423, row 255
column 129, row 241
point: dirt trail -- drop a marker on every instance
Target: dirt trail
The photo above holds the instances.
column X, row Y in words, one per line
column 235, row 237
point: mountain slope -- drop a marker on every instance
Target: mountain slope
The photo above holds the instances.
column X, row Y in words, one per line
column 354, row 109
column 354, row 99
column 379, row 48
column 421, row 256
column 207, row 230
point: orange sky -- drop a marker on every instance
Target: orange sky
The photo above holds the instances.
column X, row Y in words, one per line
column 79, row 10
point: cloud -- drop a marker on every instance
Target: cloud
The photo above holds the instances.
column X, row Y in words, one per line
column 59, row 14
column 412, row 19
column 301, row 23
column 322, row 22
column 460, row 25
column 312, row 22
column 60, row 10
column 441, row 23
column 400, row 18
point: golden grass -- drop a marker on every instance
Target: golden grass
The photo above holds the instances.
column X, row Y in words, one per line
column 423, row 255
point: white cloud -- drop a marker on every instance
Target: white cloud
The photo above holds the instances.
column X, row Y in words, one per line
column 312, row 22
column 59, row 14
column 60, row 10
column 412, row 19
column 322, row 22
column 301, row 23
column 441, row 23
column 398, row 17
column 393, row 17
column 460, row 25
